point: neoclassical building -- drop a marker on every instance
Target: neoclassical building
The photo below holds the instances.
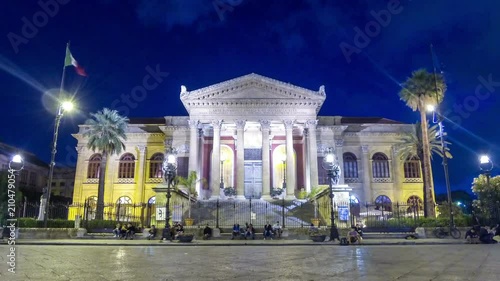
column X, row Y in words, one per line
column 253, row 133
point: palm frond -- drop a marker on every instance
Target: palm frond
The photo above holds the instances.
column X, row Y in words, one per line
column 411, row 143
column 106, row 132
column 420, row 89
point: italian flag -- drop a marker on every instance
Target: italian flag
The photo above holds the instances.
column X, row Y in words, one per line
column 70, row 60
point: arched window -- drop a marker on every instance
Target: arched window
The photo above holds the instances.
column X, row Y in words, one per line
column 124, row 209
column 380, row 166
column 412, row 168
column 383, row 203
column 91, row 207
column 415, row 204
column 350, row 166
column 151, row 212
column 94, row 166
column 155, row 166
column 126, row 167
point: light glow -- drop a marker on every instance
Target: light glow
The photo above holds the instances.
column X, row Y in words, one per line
column 171, row 159
column 329, row 158
column 17, row 159
column 484, row 159
column 67, row 106
column 430, row 107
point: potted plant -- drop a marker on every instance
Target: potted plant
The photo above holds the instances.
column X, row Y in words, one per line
column 229, row 191
column 317, row 235
column 312, row 197
column 276, row 192
column 189, row 184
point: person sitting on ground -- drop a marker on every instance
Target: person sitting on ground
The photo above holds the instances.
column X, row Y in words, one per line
column 486, row 236
column 123, row 231
column 472, row 236
column 116, row 231
column 277, row 229
column 130, row 231
column 179, row 230
column 353, row 236
column 313, row 229
column 268, row 231
column 250, row 232
column 236, row 231
column 152, row 232
column 359, row 229
column 207, row 232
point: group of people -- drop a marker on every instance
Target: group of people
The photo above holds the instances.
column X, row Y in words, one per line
column 270, row 231
column 126, row 231
column 485, row 234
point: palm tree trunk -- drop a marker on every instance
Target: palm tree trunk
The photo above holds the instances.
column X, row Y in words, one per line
column 429, row 205
column 100, row 191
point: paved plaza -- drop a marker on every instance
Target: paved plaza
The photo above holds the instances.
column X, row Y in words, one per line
column 314, row 262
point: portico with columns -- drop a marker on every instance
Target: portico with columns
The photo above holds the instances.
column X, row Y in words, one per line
column 262, row 121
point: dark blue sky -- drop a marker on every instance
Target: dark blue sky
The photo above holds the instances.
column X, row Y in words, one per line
column 293, row 41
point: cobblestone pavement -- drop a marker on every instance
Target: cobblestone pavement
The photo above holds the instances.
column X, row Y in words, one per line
column 370, row 263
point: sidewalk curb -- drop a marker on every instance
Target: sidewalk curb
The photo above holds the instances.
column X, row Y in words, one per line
column 195, row 244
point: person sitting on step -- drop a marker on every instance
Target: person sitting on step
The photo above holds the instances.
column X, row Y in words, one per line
column 268, row 231
column 236, row 231
column 207, row 232
column 353, row 236
column 152, row 232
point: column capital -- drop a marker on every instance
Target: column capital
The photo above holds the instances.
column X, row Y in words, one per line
column 193, row 124
column 365, row 149
column 168, row 141
column 79, row 149
column 311, row 124
column 395, row 150
column 288, row 124
column 265, row 124
column 240, row 124
column 141, row 148
column 216, row 124
column 339, row 142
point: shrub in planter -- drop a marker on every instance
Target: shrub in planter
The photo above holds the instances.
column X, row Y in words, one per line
column 229, row 191
column 275, row 192
column 186, row 238
column 318, row 237
column 101, row 224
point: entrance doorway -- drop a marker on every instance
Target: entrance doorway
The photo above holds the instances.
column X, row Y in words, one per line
column 253, row 179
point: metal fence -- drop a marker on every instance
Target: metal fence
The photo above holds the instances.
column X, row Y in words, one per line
column 226, row 213
column 33, row 209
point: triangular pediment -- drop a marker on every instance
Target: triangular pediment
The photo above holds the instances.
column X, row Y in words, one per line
column 252, row 87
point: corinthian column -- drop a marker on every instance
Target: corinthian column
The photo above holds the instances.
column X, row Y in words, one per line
column 265, row 126
column 193, row 150
column 290, row 176
column 141, row 149
column 397, row 178
column 312, row 152
column 367, row 189
column 240, row 158
column 339, row 149
column 215, row 174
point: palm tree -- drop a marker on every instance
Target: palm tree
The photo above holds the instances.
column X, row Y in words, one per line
column 106, row 134
column 421, row 90
column 412, row 144
column 190, row 184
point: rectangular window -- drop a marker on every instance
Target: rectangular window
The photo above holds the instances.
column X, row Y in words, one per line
column 322, row 174
column 33, row 178
column 183, row 166
column 62, row 184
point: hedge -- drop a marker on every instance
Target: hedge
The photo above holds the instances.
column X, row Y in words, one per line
column 33, row 223
column 464, row 220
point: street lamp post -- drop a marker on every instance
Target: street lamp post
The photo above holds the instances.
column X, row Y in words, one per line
column 442, row 135
column 169, row 171
column 486, row 165
column 283, row 191
column 16, row 164
column 331, row 165
column 63, row 107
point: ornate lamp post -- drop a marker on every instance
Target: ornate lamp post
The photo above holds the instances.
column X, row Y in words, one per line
column 332, row 167
column 283, row 159
column 63, row 107
column 486, row 166
column 169, row 172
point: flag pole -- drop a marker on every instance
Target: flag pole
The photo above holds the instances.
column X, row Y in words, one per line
column 54, row 143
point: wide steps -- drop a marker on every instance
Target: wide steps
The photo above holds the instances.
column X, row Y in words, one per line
column 387, row 235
